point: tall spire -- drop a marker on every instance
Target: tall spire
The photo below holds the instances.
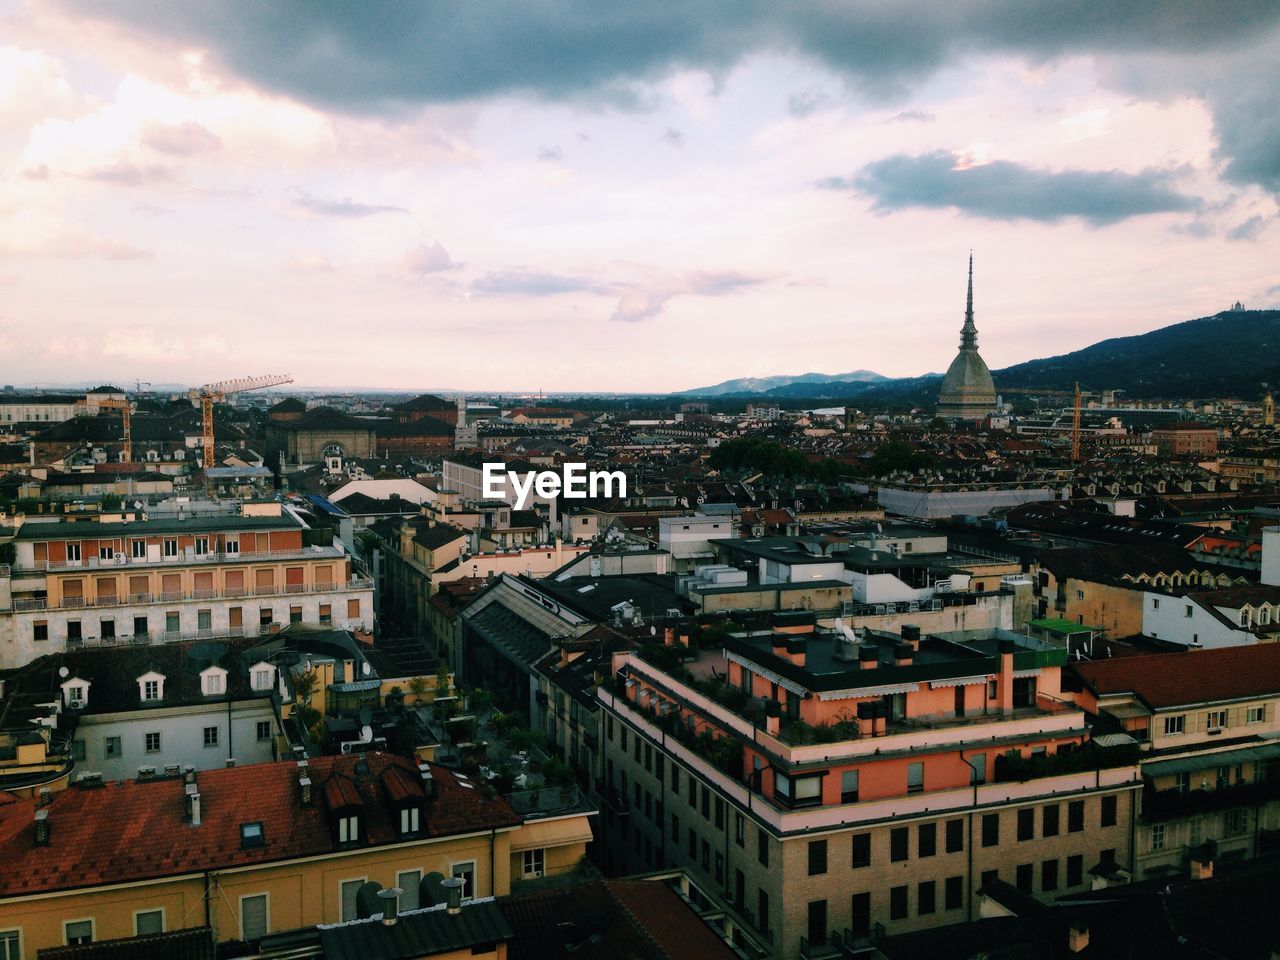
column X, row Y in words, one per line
column 969, row 333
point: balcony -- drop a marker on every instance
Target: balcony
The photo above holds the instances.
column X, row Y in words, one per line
column 122, row 561
column 181, row 636
column 1167, row 804
column 27, row 604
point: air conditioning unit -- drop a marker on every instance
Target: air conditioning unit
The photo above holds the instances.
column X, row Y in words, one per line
column 121, row 558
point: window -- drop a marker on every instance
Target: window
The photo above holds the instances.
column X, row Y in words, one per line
column 849, row 786
column 1050, row 825
column 409, row 882
column 817, row 922
column 898, row 841
column 326, row 613
column 1075, row 870
column 1026, row 823
column 111, row 747
column 719, row 813
column 534, row 863
column 990, row 829
column 675, row 829
column 213, row 684
column 706, row 855
column 77, row 931
column 262, row 678
column 762, row 846
column 915, row 777
column 295, row 614
column 861, row 850
column 251, row 835
column 466, row 872
column 1157, row 836
column 75, row 696
column 817, row 857
column 107, row 629
column 1187, row 612
column 265, row 617
column 170, row 546
column 795, row 792
column 141, row 627
column 989, row 876
column 860, row 914
column 926, row 898
column 264, row 730
column 955, row 836
column 1110, row 807
column 739, row 828
column 353, row 609
column 1216, row 720
column 1079, row 594
column 762, row 910
column 927, row 840
column 10, row 945
column 39, row 631
column 204, row 619
column 1023, row 877
column 719, row 866
column 409, row 821
column 693, row 846
column 210, row 736
column 231, row 546
column 73, row 553
column 138, row 549
column 152, row 742
column 898, row 903
column 1049, row 875
column 675, row 774
column 74, row 632
column 1236, row 822
column 78, row 755
column 1075, row 816
column 953, row 893
column 1255, row 715
column 348, row 891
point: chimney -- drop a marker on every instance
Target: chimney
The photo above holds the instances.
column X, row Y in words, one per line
column 193, row 804
column 1004, row 679
column 304, row 787
column 911, row 635
column 390, row 898
column 428, row 781
column 453, row 892
column 772, row 718
column 42, row 827
column 189, row 775
column 868, row 657
column 796, row 650
column 231, row 761
column 903, row 654
column 1078, row 938
column 1202, row 863
column 46, row 796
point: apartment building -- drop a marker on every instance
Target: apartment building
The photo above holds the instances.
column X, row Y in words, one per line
column 839, row 789
column 249, row 850
column 1207, row 720
column 154, row 580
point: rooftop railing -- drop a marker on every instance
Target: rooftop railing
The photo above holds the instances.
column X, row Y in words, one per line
column 27, row 604
column 123, row 560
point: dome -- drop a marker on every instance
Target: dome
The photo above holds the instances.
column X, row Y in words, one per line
column 968, row 392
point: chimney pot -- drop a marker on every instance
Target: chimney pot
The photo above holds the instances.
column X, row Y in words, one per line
column 453, row 892
column 304, row 784
column 1077, row 938
column 390, row 898
column 193, row 800
column 42, row 827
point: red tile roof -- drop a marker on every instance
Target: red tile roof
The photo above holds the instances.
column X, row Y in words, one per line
column 134, row 830
column 1198, row 676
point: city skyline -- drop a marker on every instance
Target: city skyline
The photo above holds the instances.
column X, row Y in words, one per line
column 611, row 202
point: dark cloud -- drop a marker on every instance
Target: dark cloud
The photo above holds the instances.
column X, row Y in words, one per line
column 346, row 207
column 1002, row 190
column 520, row 282
column 1249, row 230
column 340, row 56
column 181, row 139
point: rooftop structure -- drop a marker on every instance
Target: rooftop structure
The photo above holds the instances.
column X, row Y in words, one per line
column 968, row 392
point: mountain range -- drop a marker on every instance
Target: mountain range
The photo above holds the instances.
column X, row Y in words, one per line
column 1234, row 353
column 754, row 385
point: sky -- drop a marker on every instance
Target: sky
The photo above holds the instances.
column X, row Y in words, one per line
column 621, row 196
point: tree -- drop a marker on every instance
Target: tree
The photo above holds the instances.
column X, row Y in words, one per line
column 304, row 686
column 418, row 687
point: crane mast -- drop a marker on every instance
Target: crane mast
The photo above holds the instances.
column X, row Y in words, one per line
column 211, row 393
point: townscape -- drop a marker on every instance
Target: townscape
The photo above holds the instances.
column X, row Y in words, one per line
column 287, row 675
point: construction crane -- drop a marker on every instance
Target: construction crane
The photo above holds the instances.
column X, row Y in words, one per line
column 113, row 403
column 212, row 393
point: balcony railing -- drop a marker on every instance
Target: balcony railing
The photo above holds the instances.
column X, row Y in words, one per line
column 1166, row 804
column 123, row 560
column 179, row 636
column 178, row 596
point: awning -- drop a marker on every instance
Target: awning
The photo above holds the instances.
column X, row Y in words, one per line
column 956, row 682
column 1202, row 761
column 356, row 686
column 884, row 689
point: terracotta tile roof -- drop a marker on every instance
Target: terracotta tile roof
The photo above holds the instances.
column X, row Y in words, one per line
column 131, row 831
column 1198, row 676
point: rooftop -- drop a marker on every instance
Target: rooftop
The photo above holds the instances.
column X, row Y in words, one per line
column 1198, row 676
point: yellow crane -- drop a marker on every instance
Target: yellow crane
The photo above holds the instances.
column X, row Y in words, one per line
column 1075, row 426
column 112, row 403
column 212, row 393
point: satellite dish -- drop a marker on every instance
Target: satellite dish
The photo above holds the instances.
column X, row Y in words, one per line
column 63, row 672
column 364, row 668
column 653, row 631
column 366, row 734
column 137, row 504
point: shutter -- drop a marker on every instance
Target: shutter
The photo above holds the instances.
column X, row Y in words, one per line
column 324, row 576
column 253, row 917
column 409, row 883
column 72, row 588
column 350, row 890
column 204, row 580
column 293, row 576
column 235, row 579
column 139, row 585
column 264, row 579
column 171, row 583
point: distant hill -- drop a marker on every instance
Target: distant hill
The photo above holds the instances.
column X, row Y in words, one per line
column 755, row 385
column 1230, row 354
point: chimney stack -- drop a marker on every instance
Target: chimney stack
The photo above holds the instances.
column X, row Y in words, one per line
column 42, row 827
column 1078, row 938
column 868, row 657
column 903, row 654
column 304, row 786
column 453, row 892
column 911, row 635
column 193, row 804
column 428, row 781
column 390, row 898
column 46, row 796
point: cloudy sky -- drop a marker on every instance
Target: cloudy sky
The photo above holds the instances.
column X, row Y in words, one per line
column 525, row 194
